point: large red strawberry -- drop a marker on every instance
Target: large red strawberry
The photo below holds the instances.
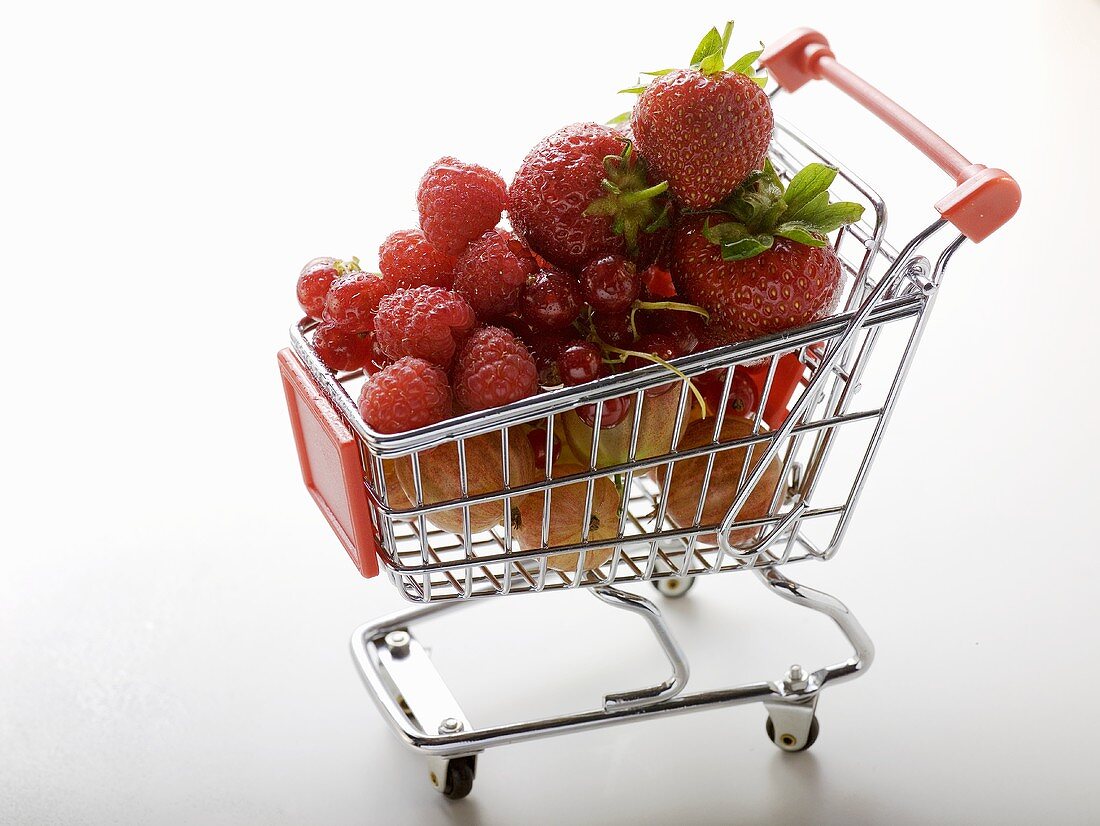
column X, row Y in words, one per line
column 583, row 193
column 704, row 129
column 762, row 263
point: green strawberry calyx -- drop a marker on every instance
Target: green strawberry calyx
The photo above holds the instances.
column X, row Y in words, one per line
column 762, row 209
column 709, row 59
column 634, row 205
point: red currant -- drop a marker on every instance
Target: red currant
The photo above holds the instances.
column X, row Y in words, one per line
column 545, row 346
column 610, row 284
column 662, row 346
column 614, row 410
column 550, row 301
column 613, row 330
column 580, row 363
column 537, row 438
column 685, row 328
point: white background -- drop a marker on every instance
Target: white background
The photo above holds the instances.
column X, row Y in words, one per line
column 173, row 610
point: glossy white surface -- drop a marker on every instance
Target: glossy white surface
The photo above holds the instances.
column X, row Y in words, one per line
column 175, row 613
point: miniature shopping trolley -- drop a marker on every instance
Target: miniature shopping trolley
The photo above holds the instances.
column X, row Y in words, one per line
column 826, row 394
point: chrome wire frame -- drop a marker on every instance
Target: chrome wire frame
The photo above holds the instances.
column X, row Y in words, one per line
column 888, row 295
column 418, row 705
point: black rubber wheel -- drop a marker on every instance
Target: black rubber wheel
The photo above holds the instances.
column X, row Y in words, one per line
column 460, row 777
column 674, row 587
column 814, row 729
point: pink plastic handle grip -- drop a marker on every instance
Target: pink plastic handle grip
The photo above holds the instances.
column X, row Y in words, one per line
column 983, row 199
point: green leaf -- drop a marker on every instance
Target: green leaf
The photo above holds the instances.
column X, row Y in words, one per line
column 760, row 80
column 632, row 90
column 659, row 72
column 743, row 64
column 711, row 64
column 725, row 233
column 808, row 210
column 727, row 34
column 709, row 45
column 837, row 215
column 622, row 118
column 812, row 180
column 799, row 233
column 770, row 175
column 746, row 247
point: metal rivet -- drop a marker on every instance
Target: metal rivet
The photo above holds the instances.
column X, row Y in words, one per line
column 450, row 726
column 398, row 642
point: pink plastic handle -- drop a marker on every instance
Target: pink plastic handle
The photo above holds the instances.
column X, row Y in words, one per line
column 983, row 199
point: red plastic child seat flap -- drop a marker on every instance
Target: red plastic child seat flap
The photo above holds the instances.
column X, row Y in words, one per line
column 331, row 465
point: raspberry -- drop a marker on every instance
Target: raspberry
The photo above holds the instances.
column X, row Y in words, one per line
column 316, row 278
column 408, row 259
column 491, row 273
column 341, row 349
column 458, row 202
column 407, row 394
column 493, row 368
column 425, row 322
column 353, row 299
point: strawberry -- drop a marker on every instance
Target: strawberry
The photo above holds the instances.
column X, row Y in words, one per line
column 583, row 193
column 705, row 128
column 762, row 264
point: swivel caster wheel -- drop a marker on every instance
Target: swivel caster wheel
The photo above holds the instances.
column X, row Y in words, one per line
column 792, row 742
column 674, row 587
column 459, row 777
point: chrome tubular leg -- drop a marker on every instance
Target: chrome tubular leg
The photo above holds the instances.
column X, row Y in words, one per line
column 680, row 671
column 792, row 708
column 863, row 649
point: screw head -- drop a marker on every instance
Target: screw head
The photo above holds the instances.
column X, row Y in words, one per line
column 796, row 678
column 450, row 726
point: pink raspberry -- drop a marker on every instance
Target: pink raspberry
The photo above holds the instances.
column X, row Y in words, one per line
column 491, row 273
column 342, row 349
column 405, row 395
column 353, row 299
column 316, row 278
column 408, row 259
column 425, row 322
column 458, row 202
column 493, row 368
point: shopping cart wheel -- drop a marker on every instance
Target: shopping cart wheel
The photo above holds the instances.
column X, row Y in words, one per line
column 787, row 742
column 460, row 777
column 674, row 587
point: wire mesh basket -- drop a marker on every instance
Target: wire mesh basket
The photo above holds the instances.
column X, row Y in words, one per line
column 679, row 511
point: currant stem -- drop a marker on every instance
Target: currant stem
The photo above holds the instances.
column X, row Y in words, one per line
column 658, row 360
